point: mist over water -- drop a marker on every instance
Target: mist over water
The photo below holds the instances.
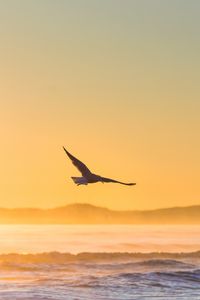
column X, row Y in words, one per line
column 99, row 262
column 99, row 238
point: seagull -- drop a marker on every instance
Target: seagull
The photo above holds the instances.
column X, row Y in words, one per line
column 87, row 175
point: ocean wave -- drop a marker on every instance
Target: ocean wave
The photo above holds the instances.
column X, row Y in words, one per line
column 101, row 263
column 58, row 257
column 194, row 274
column 189, row 279
column 113, row 276
column 112, row 266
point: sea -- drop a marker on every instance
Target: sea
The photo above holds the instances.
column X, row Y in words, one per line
column 99, row 262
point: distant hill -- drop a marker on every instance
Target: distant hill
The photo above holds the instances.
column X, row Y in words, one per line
column 89, row 214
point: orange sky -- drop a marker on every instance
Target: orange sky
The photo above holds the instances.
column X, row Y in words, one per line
column 117, row 84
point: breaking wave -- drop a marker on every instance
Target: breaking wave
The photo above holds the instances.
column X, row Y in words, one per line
column 58, row 257
column 55, row 275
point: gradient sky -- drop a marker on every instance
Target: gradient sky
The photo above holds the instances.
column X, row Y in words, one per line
column 116, row 83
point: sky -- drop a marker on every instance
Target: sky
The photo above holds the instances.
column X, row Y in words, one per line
column 116, row 83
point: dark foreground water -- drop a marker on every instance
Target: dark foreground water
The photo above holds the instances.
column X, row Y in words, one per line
column 101, row 274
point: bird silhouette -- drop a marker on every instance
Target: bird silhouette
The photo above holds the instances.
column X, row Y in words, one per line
column 87, row 175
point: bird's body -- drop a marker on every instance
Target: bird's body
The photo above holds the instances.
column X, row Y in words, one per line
column 87, row 175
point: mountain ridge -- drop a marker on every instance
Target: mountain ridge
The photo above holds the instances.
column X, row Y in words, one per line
column 84, row 213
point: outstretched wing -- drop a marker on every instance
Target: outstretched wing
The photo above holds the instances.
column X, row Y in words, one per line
column 77, row 163
column 115, row 181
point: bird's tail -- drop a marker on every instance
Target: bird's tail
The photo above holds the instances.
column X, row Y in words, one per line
column 80, row 180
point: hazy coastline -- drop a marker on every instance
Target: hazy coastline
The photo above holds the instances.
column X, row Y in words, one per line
column 90, row 214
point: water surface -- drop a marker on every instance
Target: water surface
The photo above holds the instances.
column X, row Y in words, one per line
column 99, row 262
